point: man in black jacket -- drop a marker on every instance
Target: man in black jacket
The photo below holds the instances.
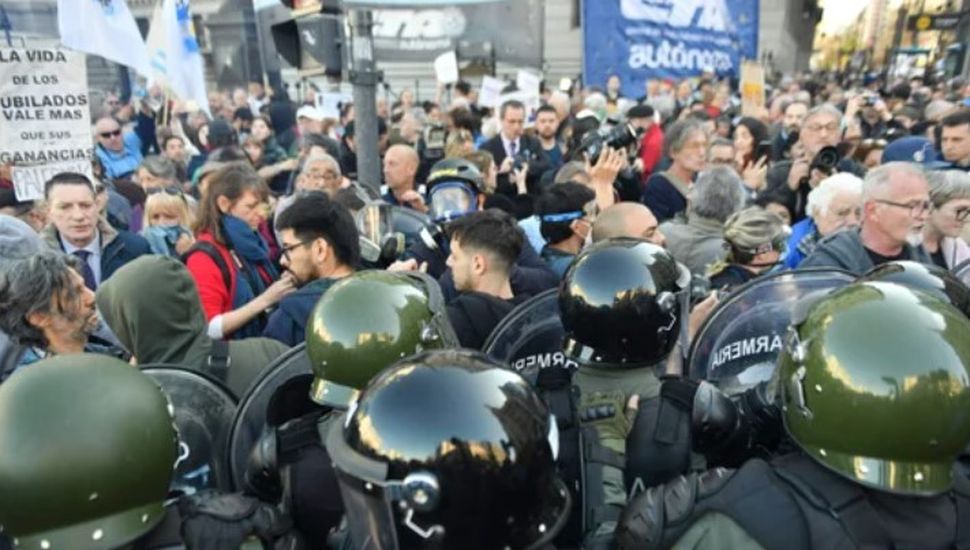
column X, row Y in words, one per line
column 510, row 143
column 529, row 275
column 484, row 247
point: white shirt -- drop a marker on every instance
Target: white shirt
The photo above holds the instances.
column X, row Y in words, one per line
column 94, row 258
column 507, row 143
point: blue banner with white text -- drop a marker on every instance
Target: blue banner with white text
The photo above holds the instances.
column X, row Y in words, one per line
column 644, row 39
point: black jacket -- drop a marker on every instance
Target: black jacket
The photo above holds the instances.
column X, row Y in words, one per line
column 530, row 274
column 777, row 185
column 537, row 166
column 475, row 314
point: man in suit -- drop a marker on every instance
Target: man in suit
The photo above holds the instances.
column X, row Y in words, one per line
column 76, row 229
column 511, row 142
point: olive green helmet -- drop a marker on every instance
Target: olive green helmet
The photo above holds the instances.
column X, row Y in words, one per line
column 368, row 321
column 875, row 385
column 89, row 447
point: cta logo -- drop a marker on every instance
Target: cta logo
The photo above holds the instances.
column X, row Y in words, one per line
column 710, row 15
column 419, row 24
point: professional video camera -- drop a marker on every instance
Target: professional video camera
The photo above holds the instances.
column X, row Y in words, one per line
column 825, row 161
column 618, row 137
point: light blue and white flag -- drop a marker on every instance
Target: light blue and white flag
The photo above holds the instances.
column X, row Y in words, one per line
column 105, row 28
column 173, row 50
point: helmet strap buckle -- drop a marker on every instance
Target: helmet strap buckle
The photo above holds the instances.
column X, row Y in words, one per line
column 426, row 534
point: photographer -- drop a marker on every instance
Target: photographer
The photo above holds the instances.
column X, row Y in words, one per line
column 793, row 180
column 511, row 149
column 872, row 113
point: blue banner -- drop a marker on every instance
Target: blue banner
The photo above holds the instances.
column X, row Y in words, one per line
column 643, row 39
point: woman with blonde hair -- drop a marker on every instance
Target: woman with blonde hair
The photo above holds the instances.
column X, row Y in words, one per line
column 460, row 142
column 756, row 240
column 167, row 223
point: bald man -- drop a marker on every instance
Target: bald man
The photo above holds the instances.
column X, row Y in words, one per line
column 400, row 170
column 628, row 219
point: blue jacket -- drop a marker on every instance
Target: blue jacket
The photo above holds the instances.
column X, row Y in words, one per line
column 288, row 323
column 121, row 165
column 797, row 251
column 558, row 260
column 117, row 247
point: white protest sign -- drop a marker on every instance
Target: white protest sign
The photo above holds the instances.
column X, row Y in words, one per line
column 446, row 68
column 329, row 103
column 45, row 122
column 491, row 92
column 527, row 82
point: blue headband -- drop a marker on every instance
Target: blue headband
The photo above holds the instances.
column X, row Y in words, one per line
column 563, row 217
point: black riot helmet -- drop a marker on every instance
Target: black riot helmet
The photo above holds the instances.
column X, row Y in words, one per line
column 926, row 277
column 453, row 188
column 448, row 449
column 620, row 303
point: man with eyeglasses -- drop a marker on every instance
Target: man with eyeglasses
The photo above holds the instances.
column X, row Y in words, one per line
column 895, row 207
column 320, row 246
column 721, row 153
column 119, row 151
column 821, row 128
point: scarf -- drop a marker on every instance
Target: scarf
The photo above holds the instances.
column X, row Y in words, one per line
column 251, row 250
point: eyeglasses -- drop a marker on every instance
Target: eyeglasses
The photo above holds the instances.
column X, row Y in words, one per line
column 111, row 134
column 326, row 176
column 173, row 191
column 916, row 208
column 833, row 127
column 285, row 251
column 721, row 161
column 960, row 214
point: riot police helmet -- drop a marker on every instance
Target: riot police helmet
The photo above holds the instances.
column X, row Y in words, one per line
column 621, row 303
column 449, row 449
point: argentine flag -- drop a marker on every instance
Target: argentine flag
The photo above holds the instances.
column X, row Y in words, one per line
column 105, row 28
column 173, row 52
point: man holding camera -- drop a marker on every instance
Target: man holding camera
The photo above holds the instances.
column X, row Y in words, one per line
column 872, row 113
column 814, row 158
column 511, row 148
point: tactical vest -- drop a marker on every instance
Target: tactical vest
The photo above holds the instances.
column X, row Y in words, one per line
column 795, row 504
column 658, row 449
column 294, row 467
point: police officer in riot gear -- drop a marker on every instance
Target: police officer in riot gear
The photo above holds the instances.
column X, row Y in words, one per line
column 362, row 324
column 90, row 450
column 448, row 449
column 621, row 303
column 456, row 188
column 874, row 385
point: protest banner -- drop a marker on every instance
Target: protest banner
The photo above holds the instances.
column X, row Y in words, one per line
column 446, row 68
column 45, row 122
column 752, row 88
column 666, row 39
column 491, row 92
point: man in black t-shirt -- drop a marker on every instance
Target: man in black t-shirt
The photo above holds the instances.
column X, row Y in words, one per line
column 484, row 247
column 896, row 205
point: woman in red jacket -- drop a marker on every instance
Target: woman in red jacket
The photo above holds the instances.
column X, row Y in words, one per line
column 230, row 262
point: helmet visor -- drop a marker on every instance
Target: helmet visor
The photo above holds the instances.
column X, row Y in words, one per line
column 450, row 200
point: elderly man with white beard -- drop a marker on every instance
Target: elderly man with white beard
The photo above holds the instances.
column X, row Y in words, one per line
column 895, row 207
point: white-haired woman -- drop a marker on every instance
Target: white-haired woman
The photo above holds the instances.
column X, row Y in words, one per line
column 950, row 195
column 834, row 205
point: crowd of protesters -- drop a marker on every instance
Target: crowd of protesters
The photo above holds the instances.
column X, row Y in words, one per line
column 259, row 201
column 731, row 194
